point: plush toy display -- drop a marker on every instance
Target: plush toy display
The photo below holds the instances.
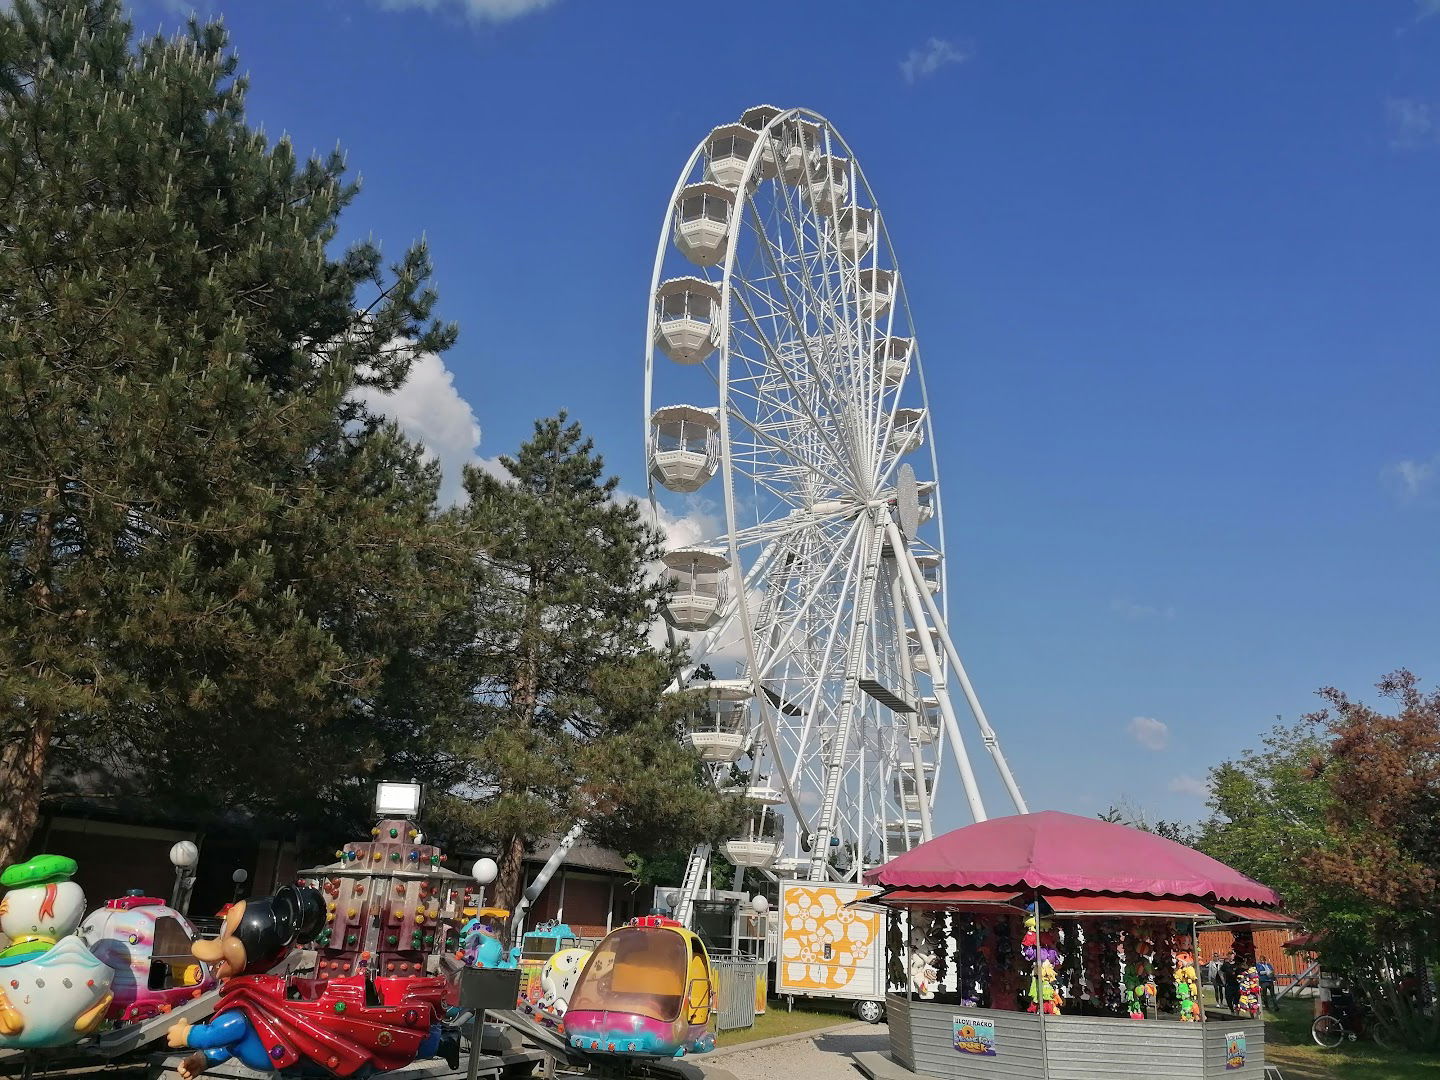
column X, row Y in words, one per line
column 1137, row 979
column 1187, row 985
column 923, row 978
column 1040, row 944
column 1244, row 945
column 922, row 975
column 969, row 964
column 1162, row 968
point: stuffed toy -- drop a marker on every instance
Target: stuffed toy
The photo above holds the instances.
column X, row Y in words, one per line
column 1187, row 985
column 1244, row 943
column 1137, row 987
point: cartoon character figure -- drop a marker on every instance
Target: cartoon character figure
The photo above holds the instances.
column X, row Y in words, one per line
column 55, row 999
column 344, row 1025
column 557, row 981
column 42, row 906
column 53, row 990
column 481, row 940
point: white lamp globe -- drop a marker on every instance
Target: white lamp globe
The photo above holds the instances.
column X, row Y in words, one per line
column 485, row 871
column 239, row 877
column 759, row 904
column 184, row 855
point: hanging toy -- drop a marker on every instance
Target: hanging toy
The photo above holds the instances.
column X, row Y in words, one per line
column 1187, row 986
column 923, row 976
column 1244, row 944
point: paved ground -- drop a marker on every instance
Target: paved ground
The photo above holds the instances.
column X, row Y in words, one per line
column 821, row 1057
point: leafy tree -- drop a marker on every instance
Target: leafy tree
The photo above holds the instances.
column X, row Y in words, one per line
column 212, row 561
column 1267, row 810
column 573, row 723
column 1381, row 773
column 1126, row 813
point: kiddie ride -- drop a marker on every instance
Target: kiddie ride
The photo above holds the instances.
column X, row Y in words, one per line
column 379, row 924
column 385, row 956
column 647, row 991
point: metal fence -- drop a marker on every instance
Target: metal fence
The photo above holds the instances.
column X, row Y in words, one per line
column 737, row 992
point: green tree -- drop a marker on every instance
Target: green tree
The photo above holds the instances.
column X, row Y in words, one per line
column 214, row 566
column 1267, row 810
column 1270, row 818
column 573, row 723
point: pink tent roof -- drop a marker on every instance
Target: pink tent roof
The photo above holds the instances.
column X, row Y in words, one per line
column 1051, row 850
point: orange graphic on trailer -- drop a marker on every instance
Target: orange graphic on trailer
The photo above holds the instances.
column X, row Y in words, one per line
column 826, row 944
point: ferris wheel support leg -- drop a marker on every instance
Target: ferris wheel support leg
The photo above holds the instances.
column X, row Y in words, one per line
column 912, row 592
column 927, row 830
column 987, row 733
column 872, row 539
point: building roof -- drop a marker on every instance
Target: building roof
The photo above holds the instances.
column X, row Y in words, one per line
column 583, row 856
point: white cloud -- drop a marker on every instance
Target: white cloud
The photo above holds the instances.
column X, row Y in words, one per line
column 479, row 10
column 1129, row 609
column 431, row 411
column 1408, row 480
column 1426, row 8
column 931, row 57
column 1148, row 732
column 1188, row 785
column 1412, row 124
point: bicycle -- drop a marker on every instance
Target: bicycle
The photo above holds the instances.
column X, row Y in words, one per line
column 1330, row 1030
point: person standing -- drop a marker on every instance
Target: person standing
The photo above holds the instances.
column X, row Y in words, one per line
column 1230, row 983
column 1212, row 974
column 1266, row 972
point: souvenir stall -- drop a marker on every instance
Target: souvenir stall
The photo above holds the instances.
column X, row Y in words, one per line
column 1051, row 945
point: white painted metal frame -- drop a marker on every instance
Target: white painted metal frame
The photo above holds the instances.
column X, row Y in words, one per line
column 824, row 584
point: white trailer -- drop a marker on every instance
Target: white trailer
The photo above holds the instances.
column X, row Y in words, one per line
column 831, row 947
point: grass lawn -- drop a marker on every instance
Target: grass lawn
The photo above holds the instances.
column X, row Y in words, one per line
column 1289, row 1046
column 777, row 1021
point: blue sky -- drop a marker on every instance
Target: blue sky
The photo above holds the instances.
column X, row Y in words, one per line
column 1175, row 268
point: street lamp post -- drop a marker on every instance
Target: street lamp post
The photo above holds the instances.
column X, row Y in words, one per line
column 183, row 856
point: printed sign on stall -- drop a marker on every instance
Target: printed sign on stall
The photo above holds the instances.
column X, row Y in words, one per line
column 1235, row 1050
column 974, row 1036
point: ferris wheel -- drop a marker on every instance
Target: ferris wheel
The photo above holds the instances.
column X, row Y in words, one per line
column 785, row 401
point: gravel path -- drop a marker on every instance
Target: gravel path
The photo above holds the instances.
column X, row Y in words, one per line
column 822, row 1057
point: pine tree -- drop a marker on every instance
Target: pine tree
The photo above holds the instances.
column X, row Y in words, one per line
column 573, row 721
column 215, row 569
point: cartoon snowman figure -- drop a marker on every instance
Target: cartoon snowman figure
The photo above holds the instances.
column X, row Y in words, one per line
column 42, row 906
column 53, row 990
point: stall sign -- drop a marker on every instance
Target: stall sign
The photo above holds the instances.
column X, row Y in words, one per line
column 1235, row 1050
column 974, row 1036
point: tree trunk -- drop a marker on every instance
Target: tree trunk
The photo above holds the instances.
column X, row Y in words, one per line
column 22, row 776
column 510, row 881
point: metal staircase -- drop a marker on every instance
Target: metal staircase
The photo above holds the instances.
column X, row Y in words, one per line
column 694, row 879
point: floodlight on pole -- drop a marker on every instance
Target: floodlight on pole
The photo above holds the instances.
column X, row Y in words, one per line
column 397, row 799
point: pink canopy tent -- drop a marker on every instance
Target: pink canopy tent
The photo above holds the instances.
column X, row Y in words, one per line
column 1063, row 852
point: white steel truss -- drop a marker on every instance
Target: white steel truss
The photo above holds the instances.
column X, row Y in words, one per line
column 830, row 629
